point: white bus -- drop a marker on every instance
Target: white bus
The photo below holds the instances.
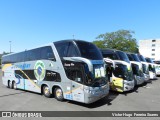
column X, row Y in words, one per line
column 136, row 68
column 157, row 63
column 119, row 70
column 68, row 69
column 152, row 68
column 145, row 67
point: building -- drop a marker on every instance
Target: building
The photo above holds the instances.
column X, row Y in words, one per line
column 150, row 48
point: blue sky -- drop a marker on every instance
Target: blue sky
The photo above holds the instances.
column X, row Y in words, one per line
column 30, row 23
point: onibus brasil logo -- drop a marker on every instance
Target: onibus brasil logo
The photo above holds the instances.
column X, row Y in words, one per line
column 39, row 70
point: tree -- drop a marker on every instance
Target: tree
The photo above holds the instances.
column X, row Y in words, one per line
column 121, row 40
column 4, row 53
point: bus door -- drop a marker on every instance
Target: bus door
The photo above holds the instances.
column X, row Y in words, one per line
column 77, row 86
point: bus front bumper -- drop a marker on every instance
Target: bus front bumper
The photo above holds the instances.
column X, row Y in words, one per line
column 128, row 85
column 157, row 73
column 139, row 80
column 152, row 75
column 146, row 77
column 96, row 94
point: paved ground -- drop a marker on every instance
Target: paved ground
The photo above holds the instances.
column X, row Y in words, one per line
column 143, row 98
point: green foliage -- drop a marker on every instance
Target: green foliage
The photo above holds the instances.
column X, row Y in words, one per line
column 0, row 63
column 121, row 40
column 4, row 53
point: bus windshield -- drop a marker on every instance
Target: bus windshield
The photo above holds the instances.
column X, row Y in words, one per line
column 89, row 51
column 141, row 58
column 157, row 62
column 112, row 56
column 123, row 56
column 135, row 57
column 130, row 57
column 149, row 60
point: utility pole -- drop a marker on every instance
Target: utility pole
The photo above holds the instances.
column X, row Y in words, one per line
column 73, row 36
column 10, row 45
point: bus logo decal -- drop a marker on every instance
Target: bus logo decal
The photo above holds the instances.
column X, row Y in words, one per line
column 39, row 70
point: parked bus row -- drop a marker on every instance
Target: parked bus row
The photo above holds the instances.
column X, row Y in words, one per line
column 75, row 70
column 126, row 70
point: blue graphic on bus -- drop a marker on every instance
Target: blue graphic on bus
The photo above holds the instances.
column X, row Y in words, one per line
column 19, row 78
column 24, row 66
column 69, row 96
column 39, row 70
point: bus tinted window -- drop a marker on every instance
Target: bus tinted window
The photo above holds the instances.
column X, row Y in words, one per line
column 130, row 57
column 62, row 48
column 40, row 53
column 122, row 56
column 72, row 51
column 33, row 54
column 112, row 56
column 67, row 49
column 141, row 58
column 30, row 55
column 46, row 53
column 135, row 57
column 89, row 50
column 149, row 60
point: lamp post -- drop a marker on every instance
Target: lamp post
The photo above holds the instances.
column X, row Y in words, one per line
column 73, row 36
column 10, row 45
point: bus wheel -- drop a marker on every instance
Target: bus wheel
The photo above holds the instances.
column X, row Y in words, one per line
column 14, row 85
column 58, row 93
column 10, row 84
column 46, row 91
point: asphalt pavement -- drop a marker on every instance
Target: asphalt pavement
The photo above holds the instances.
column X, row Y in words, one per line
column 142, row 98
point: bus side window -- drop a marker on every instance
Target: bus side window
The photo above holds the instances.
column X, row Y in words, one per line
column 62, row 48
column 47, row 53
column 33, row 54
column 28, row 54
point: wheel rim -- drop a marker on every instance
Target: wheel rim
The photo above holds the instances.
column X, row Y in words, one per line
column 46, row 91
column 59, row 93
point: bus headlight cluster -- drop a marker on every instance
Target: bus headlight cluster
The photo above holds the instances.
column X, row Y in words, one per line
column 126, row 83
column 89, row 91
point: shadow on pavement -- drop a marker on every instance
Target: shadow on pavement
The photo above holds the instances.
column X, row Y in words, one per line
column 107, row 100
column 11, row 94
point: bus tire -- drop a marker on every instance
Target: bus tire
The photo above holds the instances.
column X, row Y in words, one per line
column 14, row 85
column 46, row 91
column 58, row 93
column 10, row 84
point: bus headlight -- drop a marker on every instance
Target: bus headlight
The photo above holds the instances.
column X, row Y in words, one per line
column 126, row 83
column 87, row 91
column 90, row 91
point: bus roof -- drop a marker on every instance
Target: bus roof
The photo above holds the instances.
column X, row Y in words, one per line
column 109, row 50
column 67, row 40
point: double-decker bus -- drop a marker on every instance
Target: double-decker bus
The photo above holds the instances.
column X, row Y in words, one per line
column 136, row 68
column 145, row 67
column 119, row 70
column 68, row 69
column 152, row 68
column 157, row 63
